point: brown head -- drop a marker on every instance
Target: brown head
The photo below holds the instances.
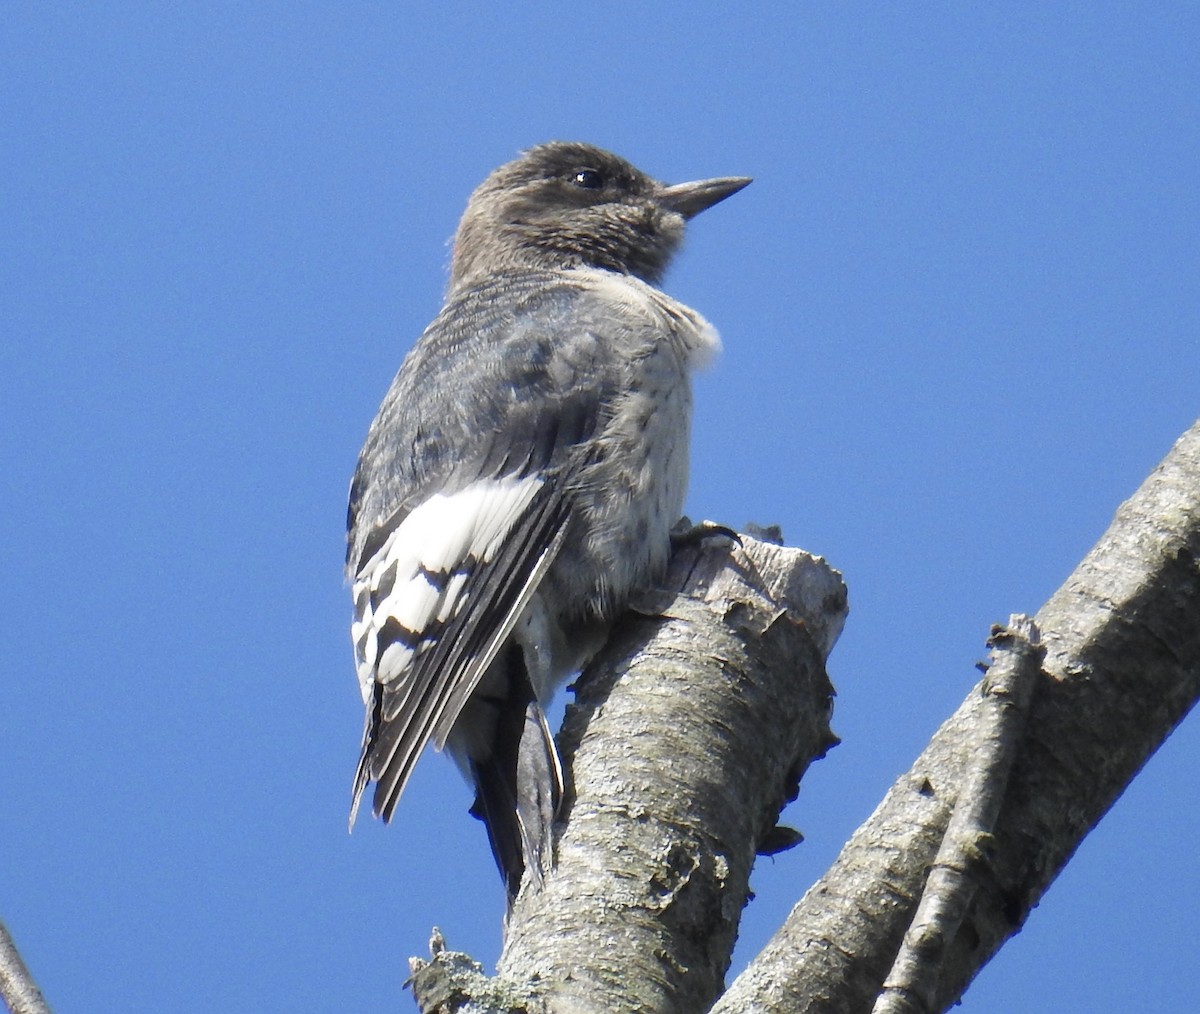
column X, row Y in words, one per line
column 563, row 205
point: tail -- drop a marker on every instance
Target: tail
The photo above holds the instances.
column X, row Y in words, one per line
column 362, row 774
column 518, row 789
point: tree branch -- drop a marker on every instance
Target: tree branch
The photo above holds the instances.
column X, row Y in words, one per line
column 911, row 986
column 17, row 988
column 688, row 735
column 1123, row 665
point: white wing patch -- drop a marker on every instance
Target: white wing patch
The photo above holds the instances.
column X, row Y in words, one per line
column 406, row 593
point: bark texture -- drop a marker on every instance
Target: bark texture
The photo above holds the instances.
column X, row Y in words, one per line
column 688, row 735
column 1122, row 668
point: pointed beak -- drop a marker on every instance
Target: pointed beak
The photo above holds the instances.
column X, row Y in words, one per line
column 689, row 199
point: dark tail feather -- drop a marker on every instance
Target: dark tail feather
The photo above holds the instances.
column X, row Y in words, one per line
column 517, row 792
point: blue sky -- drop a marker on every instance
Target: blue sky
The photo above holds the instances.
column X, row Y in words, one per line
column 961, row 322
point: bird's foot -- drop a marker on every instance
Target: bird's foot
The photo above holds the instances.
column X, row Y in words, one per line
column 685, row 533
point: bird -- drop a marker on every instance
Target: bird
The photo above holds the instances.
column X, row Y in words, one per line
column 521, row 479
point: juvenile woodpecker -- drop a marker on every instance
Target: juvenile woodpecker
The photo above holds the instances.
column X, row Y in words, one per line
column 521, row 479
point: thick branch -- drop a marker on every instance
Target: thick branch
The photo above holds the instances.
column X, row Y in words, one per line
column 1123, row 664
column 688, row 735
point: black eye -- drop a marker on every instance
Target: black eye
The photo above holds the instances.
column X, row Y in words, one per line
column 588, row 179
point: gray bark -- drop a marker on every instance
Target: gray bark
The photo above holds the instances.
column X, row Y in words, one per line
column 688, row 735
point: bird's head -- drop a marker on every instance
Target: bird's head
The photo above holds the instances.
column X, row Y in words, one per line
column 574, row 205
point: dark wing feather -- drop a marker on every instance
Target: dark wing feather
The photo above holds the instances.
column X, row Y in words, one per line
column 441, row 680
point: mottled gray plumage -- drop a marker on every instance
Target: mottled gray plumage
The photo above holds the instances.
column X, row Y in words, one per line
column 521, row 478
